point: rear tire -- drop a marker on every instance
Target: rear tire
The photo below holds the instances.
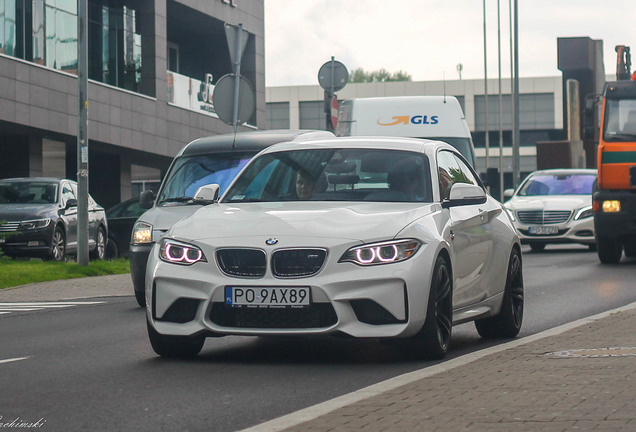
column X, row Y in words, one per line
column 112, row 251
column 537, row 247
column 630, row 246
column 58, row 245
column 99, row 253
column 610, row 249
column 507, row 323
column 434, row 338
column 174, row 346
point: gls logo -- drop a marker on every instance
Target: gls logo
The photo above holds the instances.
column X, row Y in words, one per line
column 405, row 120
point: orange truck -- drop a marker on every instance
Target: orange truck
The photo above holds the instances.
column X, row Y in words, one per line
column 614, row 199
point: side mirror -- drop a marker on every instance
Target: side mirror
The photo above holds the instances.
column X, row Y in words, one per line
column 207, row 194
column 71, row 203
column 146, row 199
column 508, row 193
column 464, row 194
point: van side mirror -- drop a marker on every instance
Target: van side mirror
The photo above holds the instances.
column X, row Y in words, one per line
column 146, row 199
column 207, row 194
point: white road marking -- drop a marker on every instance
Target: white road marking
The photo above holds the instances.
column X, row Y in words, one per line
column 13, row 360
column 6, row 308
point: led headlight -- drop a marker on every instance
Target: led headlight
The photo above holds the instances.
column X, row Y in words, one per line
column 382, row 253
column 34, row 224
column 176, row 252
column 511, row 214
column 583, row 213
column 142, row 233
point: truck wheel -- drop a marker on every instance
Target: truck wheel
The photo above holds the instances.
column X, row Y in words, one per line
column 630, row 246
column 610, row 249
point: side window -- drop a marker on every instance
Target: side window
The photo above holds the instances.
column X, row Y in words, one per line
column 466, row 175
column 67, row 193
column 447, row 172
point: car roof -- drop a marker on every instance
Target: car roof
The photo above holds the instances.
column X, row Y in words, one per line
column 34, row 179
column 375, row 142
column 565, row 171
column 254, row 141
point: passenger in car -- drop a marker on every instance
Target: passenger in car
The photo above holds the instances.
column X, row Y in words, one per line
column 305, row 184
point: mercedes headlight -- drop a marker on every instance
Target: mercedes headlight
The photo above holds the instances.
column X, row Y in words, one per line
column 382, row 253
column 583, row 213
column 177, row 252
column 142, row 233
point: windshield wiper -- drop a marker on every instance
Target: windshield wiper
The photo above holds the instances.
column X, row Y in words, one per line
column 183, row 199
column 620, row 136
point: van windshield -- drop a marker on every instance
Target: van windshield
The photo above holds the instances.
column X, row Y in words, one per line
column 464, row 146
column 189, row 173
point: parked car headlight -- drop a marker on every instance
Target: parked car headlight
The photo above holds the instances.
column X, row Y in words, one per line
column 583, row 213
column 142, row 233
column 511, row 213
column 34, row 224
column 382, row 253
column 176, row 252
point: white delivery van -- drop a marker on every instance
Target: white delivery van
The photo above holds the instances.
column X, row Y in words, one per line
column 431, row 117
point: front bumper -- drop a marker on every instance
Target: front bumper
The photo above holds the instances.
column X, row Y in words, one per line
column 574, row 231
column 379, row 301
column 620, row 223
column 33, row 243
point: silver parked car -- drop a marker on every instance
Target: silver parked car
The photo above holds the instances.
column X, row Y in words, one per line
column 554, row 206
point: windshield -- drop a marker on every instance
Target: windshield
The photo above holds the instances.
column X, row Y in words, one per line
column 28, row 193
column 620, row 120
column 335, row 175
column 562, row 184
column 188, row 174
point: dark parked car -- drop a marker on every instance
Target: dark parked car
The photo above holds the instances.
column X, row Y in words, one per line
column 121, row 219
column 38, row 218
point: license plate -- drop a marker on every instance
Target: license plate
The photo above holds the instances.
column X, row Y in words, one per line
column 267, row 296
column 544, row 230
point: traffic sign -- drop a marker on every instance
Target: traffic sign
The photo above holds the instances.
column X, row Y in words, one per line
column 333, row 76
column 223, row 98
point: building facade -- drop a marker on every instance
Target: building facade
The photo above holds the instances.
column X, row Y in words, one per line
column 540, row 105
column 152, row 69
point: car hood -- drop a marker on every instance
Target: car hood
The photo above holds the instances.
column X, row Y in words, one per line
column 20, row 212
column 162, row 218
column 354, row 221
column 549, row 202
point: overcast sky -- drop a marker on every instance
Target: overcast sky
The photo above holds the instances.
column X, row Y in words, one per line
column 429, row 38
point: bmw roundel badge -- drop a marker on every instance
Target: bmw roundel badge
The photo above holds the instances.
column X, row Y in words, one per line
column 271, row 241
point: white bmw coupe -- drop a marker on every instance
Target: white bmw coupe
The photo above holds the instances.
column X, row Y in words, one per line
column 365, row 237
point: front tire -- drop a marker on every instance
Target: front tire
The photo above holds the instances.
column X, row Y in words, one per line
column 112, row 251
column 140, row 296
column 507, row 323
column 610, row 249
column 434, row 338
column 174, row 346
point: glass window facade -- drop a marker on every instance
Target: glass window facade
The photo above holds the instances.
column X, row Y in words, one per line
column 45, row 32
column 536, row 111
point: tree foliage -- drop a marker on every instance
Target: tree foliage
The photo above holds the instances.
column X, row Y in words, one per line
column 359, row 75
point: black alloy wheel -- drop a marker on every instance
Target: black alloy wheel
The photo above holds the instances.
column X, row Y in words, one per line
column 507, row 323
column 434, row 338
